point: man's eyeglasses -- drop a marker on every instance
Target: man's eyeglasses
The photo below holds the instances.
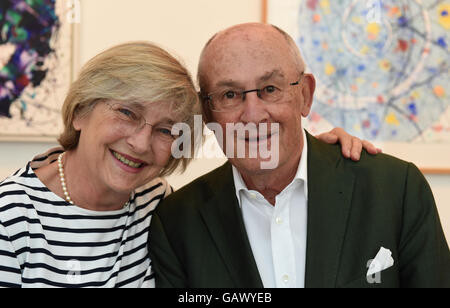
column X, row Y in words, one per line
column 230, row 100
column 131, row 121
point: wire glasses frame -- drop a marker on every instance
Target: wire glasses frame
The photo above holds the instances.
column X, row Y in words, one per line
column 132, row 122
column 230, row 100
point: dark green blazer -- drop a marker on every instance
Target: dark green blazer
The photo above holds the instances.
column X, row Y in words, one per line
column 198, row 238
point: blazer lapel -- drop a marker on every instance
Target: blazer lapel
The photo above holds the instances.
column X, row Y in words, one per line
column 329, row 199
column 223, row 218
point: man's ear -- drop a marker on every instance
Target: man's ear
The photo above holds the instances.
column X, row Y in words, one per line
column 308, row 85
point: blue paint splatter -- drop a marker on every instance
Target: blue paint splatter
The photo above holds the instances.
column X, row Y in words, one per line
column 441, row 41
column 402, row 21
column 30, row 26
column 412, row 107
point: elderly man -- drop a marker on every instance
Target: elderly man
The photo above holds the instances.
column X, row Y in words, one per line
column 314, row 219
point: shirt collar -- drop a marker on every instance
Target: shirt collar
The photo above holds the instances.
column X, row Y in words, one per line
column 302, row 173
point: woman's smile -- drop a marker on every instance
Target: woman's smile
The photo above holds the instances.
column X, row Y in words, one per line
column 128, row 163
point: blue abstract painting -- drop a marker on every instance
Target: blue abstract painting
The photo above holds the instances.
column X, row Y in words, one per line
column 382, row 66
column 35, row 58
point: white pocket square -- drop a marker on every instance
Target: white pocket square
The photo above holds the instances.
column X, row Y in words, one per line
column 383, row 260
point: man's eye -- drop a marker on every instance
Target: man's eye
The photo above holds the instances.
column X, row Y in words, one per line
column 270, row 89
column 230, row 95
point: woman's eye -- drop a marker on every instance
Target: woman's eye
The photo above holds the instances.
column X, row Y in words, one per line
column 128, row 113
column 165, row 131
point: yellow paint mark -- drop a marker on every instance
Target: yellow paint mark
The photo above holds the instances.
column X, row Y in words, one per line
column 325, row 5
column 385, row 65
column 444, row 15
column 365, row 50
column 373, row 29
column 357, row 127
column 415, row 94
column 391, row 119
column 360, row 80
column 439, row 91
column 329, row 69
column 357, row 20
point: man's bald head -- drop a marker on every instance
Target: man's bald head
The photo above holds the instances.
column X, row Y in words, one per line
column 247, row 32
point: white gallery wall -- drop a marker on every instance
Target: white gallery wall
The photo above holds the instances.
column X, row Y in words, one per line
column 182, row 27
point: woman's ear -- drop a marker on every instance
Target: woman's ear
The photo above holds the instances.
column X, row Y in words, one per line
column 308, row 85
column 78, row 120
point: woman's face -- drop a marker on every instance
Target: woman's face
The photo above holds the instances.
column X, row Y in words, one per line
column 124, row 145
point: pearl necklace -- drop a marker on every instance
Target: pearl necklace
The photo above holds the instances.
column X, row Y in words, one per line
column 62, row 178
column 63, row 181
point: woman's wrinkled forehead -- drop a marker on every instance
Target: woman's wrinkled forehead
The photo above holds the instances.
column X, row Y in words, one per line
column 163, row 111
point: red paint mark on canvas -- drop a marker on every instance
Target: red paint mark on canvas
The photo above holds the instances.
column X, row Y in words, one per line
column 312, row 4
column 402, row 45
column 438, row 128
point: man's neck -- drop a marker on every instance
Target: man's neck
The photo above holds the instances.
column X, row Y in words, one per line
column 272, row 182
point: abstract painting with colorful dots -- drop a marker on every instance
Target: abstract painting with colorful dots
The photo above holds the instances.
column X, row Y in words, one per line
column 35, row 67
column 381, row 66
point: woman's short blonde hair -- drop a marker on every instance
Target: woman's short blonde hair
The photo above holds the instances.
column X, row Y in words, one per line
column 138, row 72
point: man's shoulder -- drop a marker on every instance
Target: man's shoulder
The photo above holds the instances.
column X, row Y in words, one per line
column 201, row 189
column 380, row 164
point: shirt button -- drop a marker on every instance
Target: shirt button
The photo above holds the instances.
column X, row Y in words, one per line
column 285, row 278
column 253, row 195
column 278, row 220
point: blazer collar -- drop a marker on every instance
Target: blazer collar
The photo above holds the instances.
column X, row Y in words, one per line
column 223, row 218
column 330, row 193
column 329, row 200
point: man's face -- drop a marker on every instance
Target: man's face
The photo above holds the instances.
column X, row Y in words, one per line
column 258, row 59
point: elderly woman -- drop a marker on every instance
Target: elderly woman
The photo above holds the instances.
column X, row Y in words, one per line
column 78, row 215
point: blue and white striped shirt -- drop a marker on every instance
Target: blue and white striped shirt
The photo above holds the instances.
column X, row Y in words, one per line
column 47, row 242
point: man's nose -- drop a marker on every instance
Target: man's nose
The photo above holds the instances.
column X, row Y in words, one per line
column 254, row 109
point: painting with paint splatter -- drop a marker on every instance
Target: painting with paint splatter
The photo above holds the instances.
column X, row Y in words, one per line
column 382, row 67
column 35, row 67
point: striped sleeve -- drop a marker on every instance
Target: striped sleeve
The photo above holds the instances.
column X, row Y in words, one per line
column 10, row 271
column 169, row 190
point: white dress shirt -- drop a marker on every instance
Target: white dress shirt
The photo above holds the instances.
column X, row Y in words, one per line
column 277, row 234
